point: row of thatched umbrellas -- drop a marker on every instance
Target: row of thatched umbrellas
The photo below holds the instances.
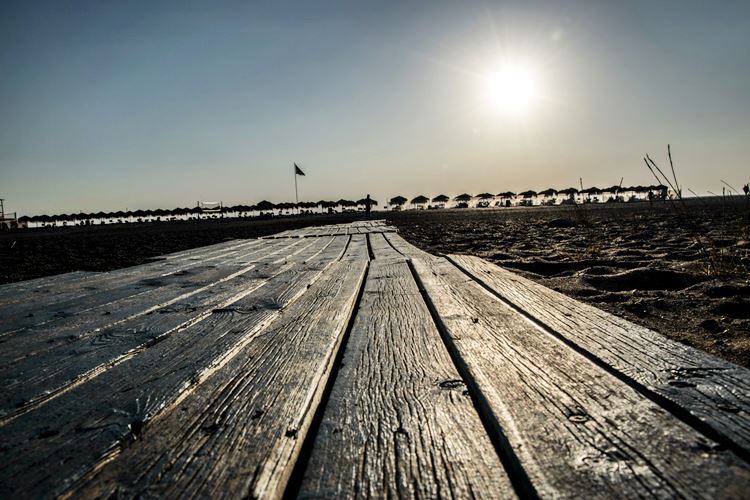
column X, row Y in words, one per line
column 464, row 198
column 263, row 206
column 267, row 206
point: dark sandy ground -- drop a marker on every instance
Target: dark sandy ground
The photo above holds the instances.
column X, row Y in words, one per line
column 682, row 270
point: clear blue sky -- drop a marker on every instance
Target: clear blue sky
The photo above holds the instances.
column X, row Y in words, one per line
column 130, row 104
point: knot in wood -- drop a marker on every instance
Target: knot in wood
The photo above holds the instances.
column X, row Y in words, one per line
column 451, row 384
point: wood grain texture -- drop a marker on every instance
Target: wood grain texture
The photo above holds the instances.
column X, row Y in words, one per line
column 577, row 430
column 48, row 285
column 36, row 369
column 382, row 250
column 405, row 248
column 86, row 426
column 361, row 227
column 110, row 305
column 240, row 432
column 64, row 297
column 398, row 422
column 48, row 288
column 713, row 390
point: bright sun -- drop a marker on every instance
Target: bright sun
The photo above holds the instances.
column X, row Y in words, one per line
column 512, row 90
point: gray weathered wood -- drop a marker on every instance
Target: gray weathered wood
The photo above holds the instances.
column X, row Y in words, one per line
column 118, row 301
column 91, row 422
column 713, row 390
column 21, row 290
column 398, row 422
column 405, row 248
column 214, row 391
column 18, row 291
column 382, row 249
column 577, row 430
column 48, row 368
column 65, row 294
column 240, row 432
column 50, row 286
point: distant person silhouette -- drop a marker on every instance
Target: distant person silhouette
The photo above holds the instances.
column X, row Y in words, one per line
column 368, row 204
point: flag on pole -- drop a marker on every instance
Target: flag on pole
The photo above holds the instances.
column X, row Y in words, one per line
column 297, row 170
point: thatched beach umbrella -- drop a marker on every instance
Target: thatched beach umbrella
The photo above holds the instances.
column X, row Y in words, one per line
column 506, row 194
column 441, row 198
column 363, row 202
column 419, row 200
column 346, row 203
column 528, row 194
column 463, row 197
column 265, row 205
column 485, row 196
column 397, row 200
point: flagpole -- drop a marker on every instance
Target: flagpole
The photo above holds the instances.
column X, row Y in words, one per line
column 294, row 173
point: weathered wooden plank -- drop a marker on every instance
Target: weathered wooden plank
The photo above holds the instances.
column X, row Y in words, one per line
column 38, row 370
column 382, row 250
column 315, row 231
column 304, row 232
column 712, row 390
column 41, row 288
column 406, row 248
column 398, row 422
column 91, row 422
column 577, row 430
column 58, row 296
column 240, row 432
column 14, row 292
column 99, row 309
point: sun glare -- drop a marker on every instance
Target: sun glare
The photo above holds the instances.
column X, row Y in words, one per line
column 512, row 90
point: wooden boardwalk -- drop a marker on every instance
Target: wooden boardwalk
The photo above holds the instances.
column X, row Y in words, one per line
column 341, row 361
